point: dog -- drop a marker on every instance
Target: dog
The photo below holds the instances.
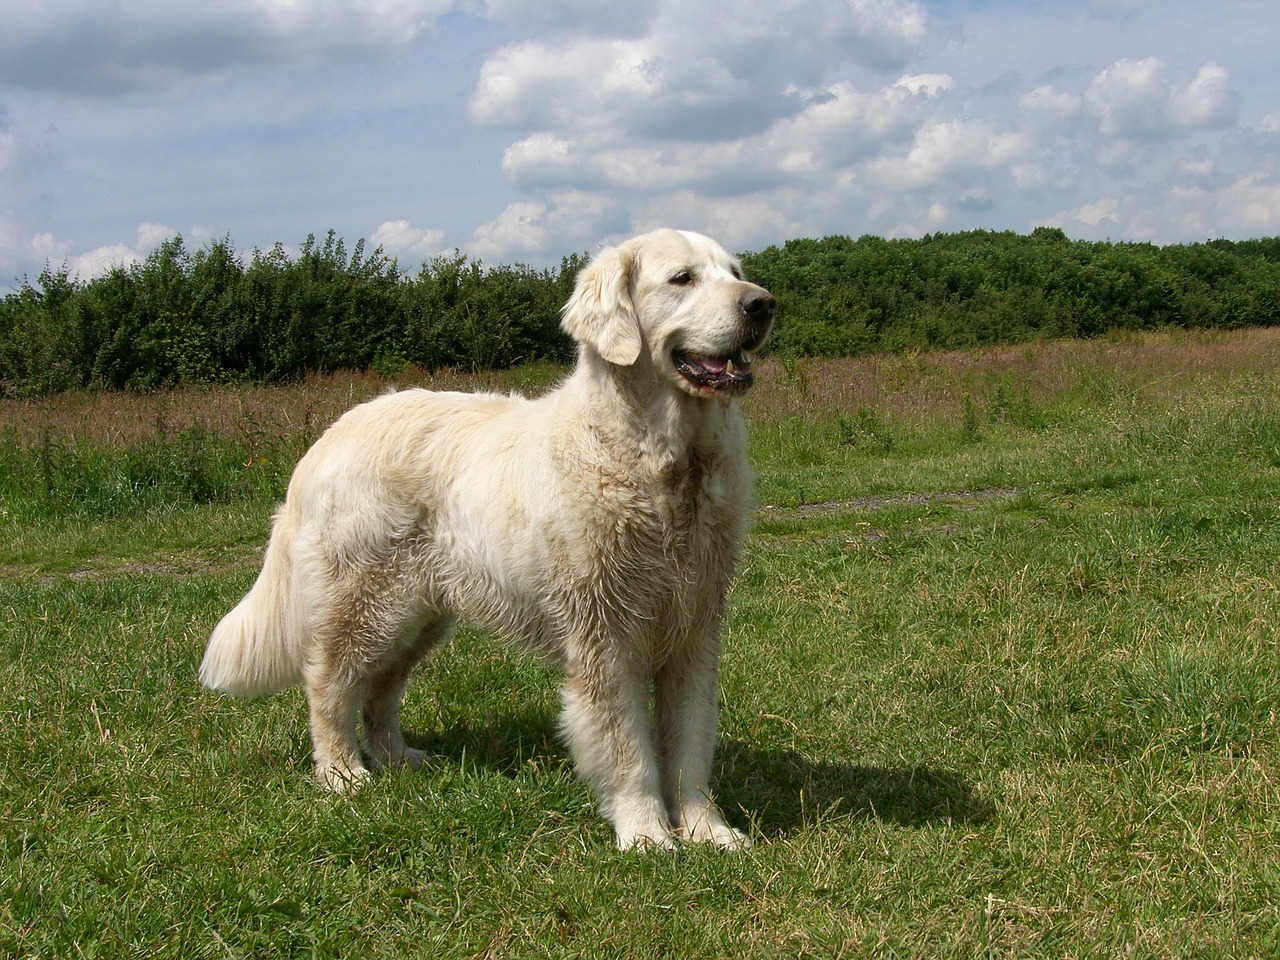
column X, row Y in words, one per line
column 598, row 524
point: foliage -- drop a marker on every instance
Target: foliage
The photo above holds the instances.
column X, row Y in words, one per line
column 214, row 316
column 841, row 297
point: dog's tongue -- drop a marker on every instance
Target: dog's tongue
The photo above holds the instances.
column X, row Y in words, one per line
column 719, row 366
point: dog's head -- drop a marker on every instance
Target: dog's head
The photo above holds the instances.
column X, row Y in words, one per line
column 680, row 298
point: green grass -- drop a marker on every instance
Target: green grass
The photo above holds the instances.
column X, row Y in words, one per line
column 1000, row 680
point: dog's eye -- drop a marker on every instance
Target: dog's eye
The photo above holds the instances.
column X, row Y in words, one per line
column 682, row 279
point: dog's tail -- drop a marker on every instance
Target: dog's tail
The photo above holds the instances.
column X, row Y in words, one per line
column 258, row 646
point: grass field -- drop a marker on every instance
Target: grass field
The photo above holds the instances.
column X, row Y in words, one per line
column 1000, row 681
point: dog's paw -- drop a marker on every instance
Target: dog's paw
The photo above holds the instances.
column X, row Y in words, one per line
column 342, row 779
column 646, row 840
column 727, row 838
column 403, row 757
column 709, row 827
column 644, row 833
column 412, row 758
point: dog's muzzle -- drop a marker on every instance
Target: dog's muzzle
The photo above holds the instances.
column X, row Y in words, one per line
column 731, row 374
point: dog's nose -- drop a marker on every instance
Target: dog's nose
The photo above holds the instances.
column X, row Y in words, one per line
column 756, row 306
column 756, row 302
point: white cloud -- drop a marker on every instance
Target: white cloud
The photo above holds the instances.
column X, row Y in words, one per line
column 1248, row 207
column 95, row 263
column 831, row 129
column 517, row 229
column 944, row 148
column 930, row 84
column 574, row 16
column 546, row 161
column 1206, row 102
column 1045, row 105
column 1104, row 211
column 542, row 158
column 704, row 99
column 1133, row 99
column 399, row 238
column 151, row 235
column 573, row 220
column 697, row 71
column 735, row 221
column 1245, row 207
column 26, row 257
column 825, row 141
column 49, row 249
column 840, row 127
column 45, row 249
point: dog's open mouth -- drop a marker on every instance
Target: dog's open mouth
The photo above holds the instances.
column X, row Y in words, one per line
column 730, row 374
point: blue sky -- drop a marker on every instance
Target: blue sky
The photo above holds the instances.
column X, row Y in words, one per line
column 522, row 131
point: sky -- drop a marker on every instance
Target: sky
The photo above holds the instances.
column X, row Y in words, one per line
column 519, row 131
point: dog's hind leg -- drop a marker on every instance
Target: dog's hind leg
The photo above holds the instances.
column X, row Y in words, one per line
column 333, row 697
column 383, row 737
column 354, row 643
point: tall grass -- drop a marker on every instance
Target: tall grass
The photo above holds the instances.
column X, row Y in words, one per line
column 105, row 454
column 1000, row 679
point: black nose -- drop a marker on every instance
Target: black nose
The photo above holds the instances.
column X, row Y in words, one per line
column 755, row 305
column 756, row 300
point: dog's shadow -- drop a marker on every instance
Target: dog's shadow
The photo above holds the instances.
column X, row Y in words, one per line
column 783, row 791
column 780, row 791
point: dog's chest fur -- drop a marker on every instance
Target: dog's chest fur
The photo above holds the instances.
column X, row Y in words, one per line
column 660, row 539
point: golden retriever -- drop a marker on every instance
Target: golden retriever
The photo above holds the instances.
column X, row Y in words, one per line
column 598, row 524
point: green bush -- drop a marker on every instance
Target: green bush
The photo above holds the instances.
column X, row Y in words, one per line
column 839, row 296
column 214, row 315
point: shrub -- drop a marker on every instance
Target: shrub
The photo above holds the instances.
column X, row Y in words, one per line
column 215, row 315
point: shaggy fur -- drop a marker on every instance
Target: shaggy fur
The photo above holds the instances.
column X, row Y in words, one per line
column 598, row 525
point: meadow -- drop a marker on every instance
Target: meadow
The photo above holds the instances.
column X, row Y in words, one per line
column 1000, row 680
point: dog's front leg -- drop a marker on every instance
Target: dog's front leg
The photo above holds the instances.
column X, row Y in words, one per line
column 686, row 713
column 606, row 722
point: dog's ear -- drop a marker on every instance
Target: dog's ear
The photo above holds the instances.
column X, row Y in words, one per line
column 600, row 312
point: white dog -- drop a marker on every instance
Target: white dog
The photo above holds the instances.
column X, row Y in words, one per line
column 598, row 524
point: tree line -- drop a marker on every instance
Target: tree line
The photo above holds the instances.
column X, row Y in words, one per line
column 212, row 315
